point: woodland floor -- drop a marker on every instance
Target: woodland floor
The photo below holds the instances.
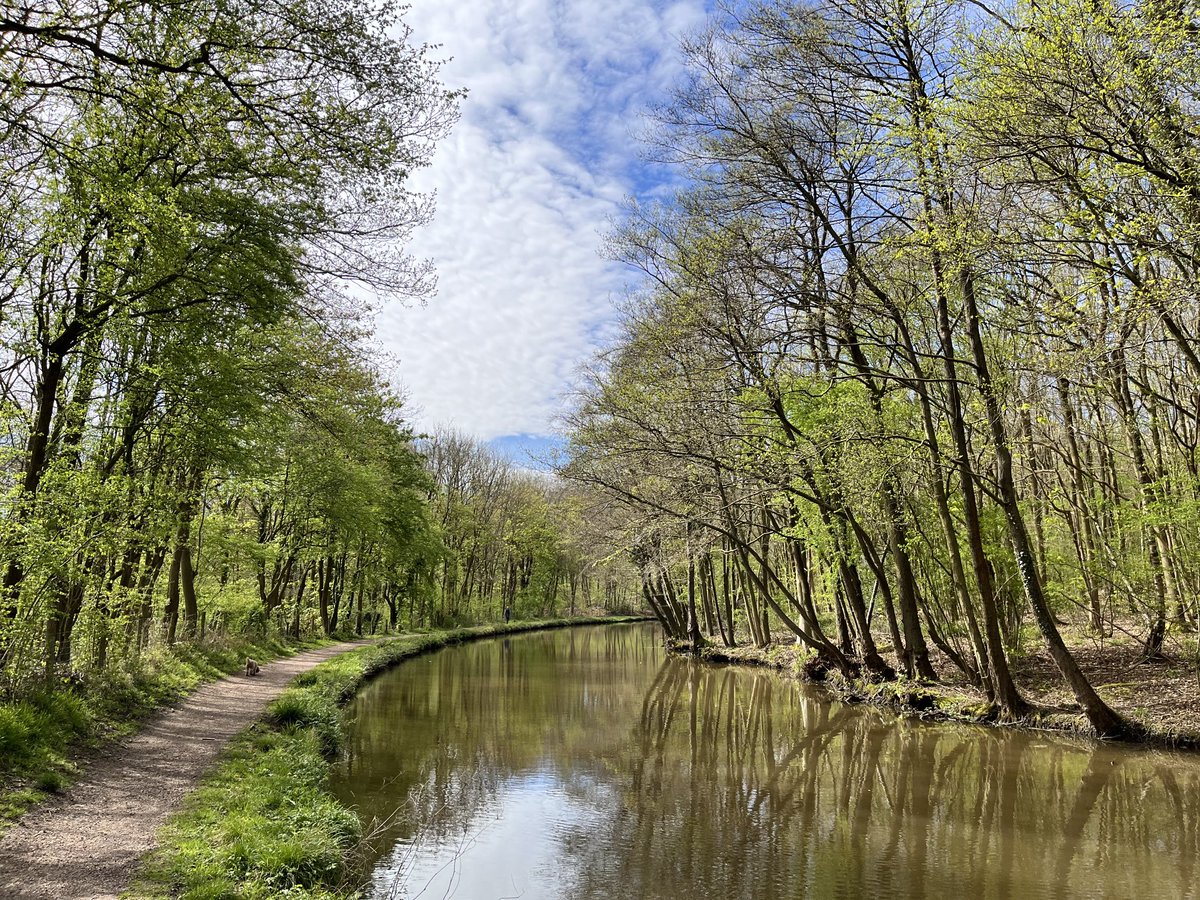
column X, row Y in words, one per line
column 85, row 843
column 1163, row 695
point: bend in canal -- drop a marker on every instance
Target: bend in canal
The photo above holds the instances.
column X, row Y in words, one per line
column 587, row 763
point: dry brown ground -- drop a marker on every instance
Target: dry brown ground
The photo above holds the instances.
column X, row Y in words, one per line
column 1163, row 696
column 85, row 844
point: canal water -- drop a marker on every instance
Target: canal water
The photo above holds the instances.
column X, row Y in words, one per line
column 586, row 763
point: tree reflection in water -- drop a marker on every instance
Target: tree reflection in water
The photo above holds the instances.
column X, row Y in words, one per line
column 586, row 764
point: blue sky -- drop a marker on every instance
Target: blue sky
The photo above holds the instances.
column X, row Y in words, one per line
column 543, row 156
column 530, row 451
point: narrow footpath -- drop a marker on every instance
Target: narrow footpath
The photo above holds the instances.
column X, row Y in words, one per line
column 85, row 844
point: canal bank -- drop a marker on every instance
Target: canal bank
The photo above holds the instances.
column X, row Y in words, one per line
column 263, row 822
column 1159, row 698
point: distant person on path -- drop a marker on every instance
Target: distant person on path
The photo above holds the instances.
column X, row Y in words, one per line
column 507, row 614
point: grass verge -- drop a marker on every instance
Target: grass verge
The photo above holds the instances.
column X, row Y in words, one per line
column 263, row 824
column 44, row 734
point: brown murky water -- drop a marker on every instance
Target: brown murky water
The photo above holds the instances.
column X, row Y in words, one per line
column 586, row 764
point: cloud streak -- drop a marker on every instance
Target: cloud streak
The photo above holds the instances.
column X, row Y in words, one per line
column 542, row 158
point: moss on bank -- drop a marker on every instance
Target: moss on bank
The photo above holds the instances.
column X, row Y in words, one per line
column 44, row 734
column 263, row 823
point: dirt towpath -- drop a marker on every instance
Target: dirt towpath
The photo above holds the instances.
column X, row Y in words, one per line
column 85, row 844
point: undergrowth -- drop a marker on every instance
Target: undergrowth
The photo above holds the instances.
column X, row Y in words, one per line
column 43, row 731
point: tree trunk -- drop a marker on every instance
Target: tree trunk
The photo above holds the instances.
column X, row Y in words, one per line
column 171, row 613
column 1106, row 721
column 187, row 582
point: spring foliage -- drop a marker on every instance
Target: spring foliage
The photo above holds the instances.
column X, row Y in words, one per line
column 917, row 344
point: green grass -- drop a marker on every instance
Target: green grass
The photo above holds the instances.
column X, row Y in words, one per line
column 263, row 824
column 44, row 732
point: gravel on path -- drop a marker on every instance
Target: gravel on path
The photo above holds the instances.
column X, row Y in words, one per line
column 85, row 844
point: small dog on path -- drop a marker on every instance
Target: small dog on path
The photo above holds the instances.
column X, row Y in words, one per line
column 251, row 666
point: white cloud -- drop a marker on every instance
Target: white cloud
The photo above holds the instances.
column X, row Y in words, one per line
column 542, row 157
